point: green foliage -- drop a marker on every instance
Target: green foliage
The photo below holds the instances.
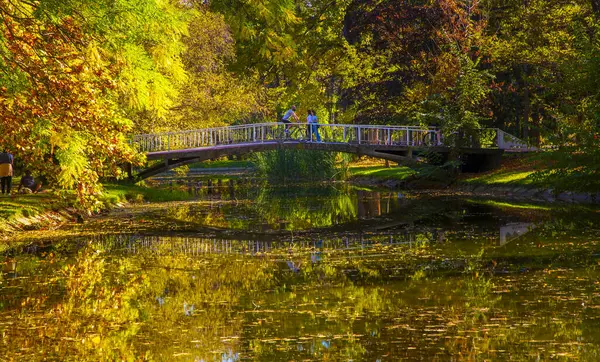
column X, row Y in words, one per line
column 78, row 77
column 573, row 170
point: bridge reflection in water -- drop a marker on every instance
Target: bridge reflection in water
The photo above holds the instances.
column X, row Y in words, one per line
column 368, row 220
column 194, row 246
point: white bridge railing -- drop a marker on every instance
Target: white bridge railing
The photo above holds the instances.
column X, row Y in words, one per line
column 268, row 132
column 412, row 136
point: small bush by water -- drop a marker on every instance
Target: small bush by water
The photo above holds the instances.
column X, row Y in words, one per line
column 288, row 165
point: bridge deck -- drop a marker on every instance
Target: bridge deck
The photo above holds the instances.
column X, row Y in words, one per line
column 295, row 144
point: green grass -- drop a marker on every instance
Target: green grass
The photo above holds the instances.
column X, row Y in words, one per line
column 510, row 205
column 25, row 205
column 223, row 164
column 30, row 205
column 115, row 193
column 516, row 170
column 502, row 177
column 395, row 173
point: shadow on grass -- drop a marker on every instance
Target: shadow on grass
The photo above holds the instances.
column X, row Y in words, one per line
column 25, row 205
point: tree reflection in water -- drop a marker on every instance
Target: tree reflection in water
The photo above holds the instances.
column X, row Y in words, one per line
column 287, row 209
column 435, row 284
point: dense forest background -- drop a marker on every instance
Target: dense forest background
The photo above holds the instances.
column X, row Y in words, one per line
column 78, row 77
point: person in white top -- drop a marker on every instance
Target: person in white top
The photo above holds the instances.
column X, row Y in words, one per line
column 308, row 125
column 314, row 123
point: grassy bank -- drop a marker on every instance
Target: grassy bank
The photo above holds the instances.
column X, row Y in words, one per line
column 223, row 164
column 515, row 171
column 116, row 193
column 523, row 171
column 20, row 207
column 19, row 210
column 530, row 171
column 421, row 176
column 377, row 169
column 398, row 173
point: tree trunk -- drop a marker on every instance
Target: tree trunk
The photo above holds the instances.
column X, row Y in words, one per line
column 526, row 113
column 535, row 131
column 331, row 102
column 525, row 102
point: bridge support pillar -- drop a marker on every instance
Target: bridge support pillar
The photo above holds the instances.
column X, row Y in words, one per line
column 481, row 162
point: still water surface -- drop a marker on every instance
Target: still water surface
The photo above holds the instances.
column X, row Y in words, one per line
column 309, row 273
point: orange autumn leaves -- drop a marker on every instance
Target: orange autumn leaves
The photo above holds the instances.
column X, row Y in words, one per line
column 57, row 109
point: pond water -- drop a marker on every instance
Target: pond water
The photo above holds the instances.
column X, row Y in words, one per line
column 247, row 272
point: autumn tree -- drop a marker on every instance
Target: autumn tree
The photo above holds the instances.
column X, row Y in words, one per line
column 76, row 76
column 57, row 111
column 429, row 60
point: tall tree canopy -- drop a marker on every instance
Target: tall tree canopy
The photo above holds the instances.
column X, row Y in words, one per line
column 77, row 77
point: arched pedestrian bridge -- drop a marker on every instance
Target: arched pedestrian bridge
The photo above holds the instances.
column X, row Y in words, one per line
column 394, row 143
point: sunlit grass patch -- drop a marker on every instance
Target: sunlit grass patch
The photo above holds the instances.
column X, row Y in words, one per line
column 24, row 205
column 504, row 178
column 115, row 193
column 364, row 162
column 223, row 164
column 512, row 205
column 397, row 173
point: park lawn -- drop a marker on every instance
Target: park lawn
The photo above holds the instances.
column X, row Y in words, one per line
column 223, row 164
column 399, row 173
column 115, row 193
column 511, row 204
column 529, row 171
column 516, row 170
column 503, row 177
column 21, row 205
column 18, row 207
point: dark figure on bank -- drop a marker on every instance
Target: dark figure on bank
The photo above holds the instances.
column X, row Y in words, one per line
column 6, row 171
column 28, row 184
